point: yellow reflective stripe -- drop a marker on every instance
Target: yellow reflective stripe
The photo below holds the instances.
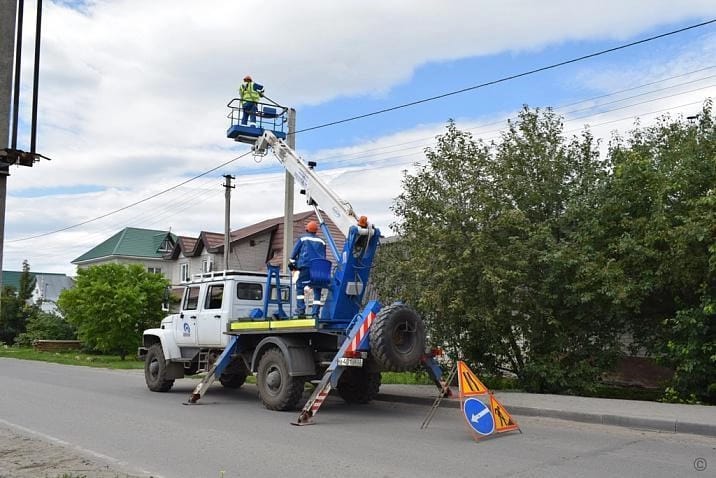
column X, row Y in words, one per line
column 317, row 302
column 258, row 325
column 291, row 324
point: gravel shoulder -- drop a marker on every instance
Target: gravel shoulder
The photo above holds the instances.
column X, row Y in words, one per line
column 23, row 456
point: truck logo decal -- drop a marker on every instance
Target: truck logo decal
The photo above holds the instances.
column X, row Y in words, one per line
column 187, row 330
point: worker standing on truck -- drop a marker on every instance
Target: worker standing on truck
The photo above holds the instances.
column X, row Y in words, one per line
column 307, row 248
column 250, row 93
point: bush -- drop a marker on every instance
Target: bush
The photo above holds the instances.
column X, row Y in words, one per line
column 45, row 326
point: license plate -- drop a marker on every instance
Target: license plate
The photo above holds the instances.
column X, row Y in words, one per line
column 350, row 362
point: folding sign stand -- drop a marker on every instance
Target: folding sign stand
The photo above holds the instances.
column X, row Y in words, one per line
column 483, row 418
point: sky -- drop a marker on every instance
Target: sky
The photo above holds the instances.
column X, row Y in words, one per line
column 133, row 95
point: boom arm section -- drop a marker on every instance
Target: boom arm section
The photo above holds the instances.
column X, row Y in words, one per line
column 317, row 193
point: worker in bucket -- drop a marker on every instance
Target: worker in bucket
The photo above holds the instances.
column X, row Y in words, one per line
column 250, row 94
column 307, row 248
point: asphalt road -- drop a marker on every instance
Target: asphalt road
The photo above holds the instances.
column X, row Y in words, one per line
column 111, row 416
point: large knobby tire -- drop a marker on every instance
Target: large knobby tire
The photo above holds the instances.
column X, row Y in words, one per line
column 359, row 385
column 397, row 338
column 235, row 374
column 277, row 389
column 155, row 370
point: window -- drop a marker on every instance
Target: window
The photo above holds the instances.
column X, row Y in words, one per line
column 284, row 293
column 184, row 273
column 207, row 265
column 214, row 293
column 154, row 270
column 191, row 298
column 249, row 291
column 166, row 246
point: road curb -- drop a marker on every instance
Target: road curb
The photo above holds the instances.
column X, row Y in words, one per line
column 640, row 423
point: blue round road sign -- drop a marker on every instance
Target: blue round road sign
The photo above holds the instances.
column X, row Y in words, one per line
column 478, row 416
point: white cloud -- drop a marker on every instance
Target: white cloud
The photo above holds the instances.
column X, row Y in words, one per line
column 133, row 93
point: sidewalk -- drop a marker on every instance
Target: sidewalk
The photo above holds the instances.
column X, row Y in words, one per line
column 670, row 417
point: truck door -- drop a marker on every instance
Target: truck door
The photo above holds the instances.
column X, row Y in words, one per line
column 185, row 327
column 210, row 318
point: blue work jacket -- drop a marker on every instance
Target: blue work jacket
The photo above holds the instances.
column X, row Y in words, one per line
column 307, row 248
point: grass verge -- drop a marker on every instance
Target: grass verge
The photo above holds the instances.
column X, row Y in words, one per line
column 72, row 358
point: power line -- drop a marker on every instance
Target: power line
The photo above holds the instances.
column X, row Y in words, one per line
column 132, row 204
column 508, row 78
column 361, row 154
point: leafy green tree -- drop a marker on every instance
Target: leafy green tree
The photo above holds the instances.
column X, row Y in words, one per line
column 10, row 325
column 486, row 252
column 16, row 308
column 111, row 304
column 657, row 227
column 534, row 256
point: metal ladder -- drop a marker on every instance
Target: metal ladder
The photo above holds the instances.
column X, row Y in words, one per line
column 274, row 274
column 216, row 370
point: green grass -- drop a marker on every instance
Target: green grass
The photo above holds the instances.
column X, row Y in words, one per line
column 406, row 378
column 71, row 358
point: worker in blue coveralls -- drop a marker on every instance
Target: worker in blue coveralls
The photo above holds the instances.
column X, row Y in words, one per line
column 250, row 94
column 308, row 247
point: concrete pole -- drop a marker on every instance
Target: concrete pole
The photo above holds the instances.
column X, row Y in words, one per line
column 8, row 13
column 227, row 219
column 288, row 195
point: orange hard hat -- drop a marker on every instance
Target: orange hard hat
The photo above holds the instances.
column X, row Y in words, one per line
column 312, row 226
column 247, row 78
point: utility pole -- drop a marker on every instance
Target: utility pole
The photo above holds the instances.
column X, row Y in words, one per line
column 227, row 218
column 288, row 195
column 8, row 13
column 11, row 19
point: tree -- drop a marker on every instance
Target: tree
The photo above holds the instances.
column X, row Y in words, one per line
column 27, row 283
column 487, row 253
column 659, row 228
column 10, row 326
column 16, row 308
column 533, row 255
column 111, row 304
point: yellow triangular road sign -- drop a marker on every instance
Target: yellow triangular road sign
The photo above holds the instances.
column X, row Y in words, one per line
column 503, row 420
column 470, row 385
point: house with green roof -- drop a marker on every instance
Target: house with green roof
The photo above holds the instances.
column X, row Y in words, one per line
column 180, row 257
column 133, row 245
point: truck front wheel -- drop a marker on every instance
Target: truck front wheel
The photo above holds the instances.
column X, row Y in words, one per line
column 155, row 370
column 277, row 389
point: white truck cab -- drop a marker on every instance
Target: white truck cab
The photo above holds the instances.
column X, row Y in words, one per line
column 190, row 339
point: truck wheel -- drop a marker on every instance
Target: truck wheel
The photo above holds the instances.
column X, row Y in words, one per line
column 155, row 370
column 397, row 338
column 277, row 389
column 358, row 385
